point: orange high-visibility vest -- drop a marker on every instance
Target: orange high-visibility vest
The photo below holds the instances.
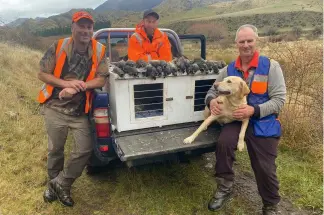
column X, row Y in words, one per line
column 98, row 53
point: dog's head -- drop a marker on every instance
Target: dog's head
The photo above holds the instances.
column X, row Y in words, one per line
column 232, row 86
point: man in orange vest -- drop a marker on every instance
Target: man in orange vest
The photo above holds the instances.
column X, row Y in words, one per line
column 70, row 68
column 148, row 42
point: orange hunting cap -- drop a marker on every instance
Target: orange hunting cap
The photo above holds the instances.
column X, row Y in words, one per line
column 81, row 14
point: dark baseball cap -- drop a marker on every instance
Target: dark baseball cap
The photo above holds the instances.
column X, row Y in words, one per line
column 150, row 12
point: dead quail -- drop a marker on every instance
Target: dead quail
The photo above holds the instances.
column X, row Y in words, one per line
column 167, row 70
column 163, row 63
column 209, row 65
column 159, row 71
column 215, row 69
column 173, row 68
column 132, row 71
column 203, row 67
column 194, row 68
column 180, row 63
column 130, row 63
column 151, row 72
column 120, row 64
column 118, row 71
column 141, row 64
column 187, row 64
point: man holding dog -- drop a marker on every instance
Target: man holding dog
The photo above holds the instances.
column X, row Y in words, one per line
column 266, row 99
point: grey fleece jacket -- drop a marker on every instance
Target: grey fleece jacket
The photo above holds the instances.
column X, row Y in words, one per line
column 276, row 90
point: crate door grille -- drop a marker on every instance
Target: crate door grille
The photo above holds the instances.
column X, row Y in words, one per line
column 201, row 88
column 148, row 100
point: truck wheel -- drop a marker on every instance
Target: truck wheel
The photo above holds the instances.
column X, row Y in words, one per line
column 94, row 170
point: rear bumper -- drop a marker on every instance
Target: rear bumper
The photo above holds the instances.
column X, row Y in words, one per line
column 152, row 145
column 164, row 141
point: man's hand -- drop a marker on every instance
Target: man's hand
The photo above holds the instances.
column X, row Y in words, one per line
column 215, row 107
column 76, row 85
column 67, row 93
column 243, row 112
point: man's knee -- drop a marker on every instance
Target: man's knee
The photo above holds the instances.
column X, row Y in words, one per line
column 227, row 143
column 229, row 135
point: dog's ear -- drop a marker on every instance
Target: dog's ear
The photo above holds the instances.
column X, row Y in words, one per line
column 244, row 89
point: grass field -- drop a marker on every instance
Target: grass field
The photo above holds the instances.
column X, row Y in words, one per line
column 243, row 8
column 156, row 189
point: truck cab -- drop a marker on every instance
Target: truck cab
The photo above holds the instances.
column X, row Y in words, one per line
column 141, row 121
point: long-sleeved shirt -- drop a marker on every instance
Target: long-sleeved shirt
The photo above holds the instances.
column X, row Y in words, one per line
column 276, row 90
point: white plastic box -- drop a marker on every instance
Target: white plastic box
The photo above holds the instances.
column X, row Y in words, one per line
column 139, row 103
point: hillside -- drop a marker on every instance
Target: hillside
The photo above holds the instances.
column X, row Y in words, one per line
column 169, row 6
column 278, row 14
column 64, row 20
column 126, row 5
column 181, row 15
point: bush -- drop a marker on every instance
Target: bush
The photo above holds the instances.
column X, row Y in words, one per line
column 212, row 31
column 20, row 36
column 282, row 37
column 318, row 31
column 301, row 118
column 297, row 31
column 270, row 31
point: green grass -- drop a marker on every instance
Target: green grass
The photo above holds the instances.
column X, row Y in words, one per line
column 246, row 8
column 300, row 177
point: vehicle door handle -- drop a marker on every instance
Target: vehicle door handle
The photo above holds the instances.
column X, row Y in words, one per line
column 189, row 97
column 169, row 99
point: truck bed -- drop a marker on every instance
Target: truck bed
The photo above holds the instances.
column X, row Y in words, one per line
column 152, row 142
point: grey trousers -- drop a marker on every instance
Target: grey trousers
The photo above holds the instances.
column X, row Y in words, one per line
column 57, row 126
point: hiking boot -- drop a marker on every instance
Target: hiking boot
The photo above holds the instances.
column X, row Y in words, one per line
column 222, row 195
column 269, row 209
column 63, row 194
column 49, row 196
column 219, row 200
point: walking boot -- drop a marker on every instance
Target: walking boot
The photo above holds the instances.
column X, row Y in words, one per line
column 270, row 209
column 222, row 195
column 63, row 194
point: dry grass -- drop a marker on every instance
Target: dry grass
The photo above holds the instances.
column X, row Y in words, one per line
column 22, row 141
column 302, row 63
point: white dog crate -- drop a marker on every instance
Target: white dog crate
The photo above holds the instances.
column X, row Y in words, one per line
column 144, row 103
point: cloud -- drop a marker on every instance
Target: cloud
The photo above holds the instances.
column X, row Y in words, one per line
column 13, row 9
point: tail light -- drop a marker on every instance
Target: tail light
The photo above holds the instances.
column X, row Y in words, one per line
column 104, row 148
column 102, row 122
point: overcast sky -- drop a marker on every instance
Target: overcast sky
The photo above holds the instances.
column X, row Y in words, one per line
column 13, row 9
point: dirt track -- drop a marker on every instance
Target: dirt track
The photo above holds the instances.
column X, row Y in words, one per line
column 245, row 187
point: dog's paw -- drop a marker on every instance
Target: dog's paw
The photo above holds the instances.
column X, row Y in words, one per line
column 188, row 140
column 240, row 145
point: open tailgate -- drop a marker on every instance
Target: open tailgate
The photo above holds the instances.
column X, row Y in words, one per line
column 160, row 141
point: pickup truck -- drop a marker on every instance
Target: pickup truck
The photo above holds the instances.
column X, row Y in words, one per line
column 124, row 132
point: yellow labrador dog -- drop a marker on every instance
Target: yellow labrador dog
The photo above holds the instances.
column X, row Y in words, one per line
column 232, row 94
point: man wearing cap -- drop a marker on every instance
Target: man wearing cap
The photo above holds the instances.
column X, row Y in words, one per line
column 148, row 42
column 71, row 68
column 265, row 101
